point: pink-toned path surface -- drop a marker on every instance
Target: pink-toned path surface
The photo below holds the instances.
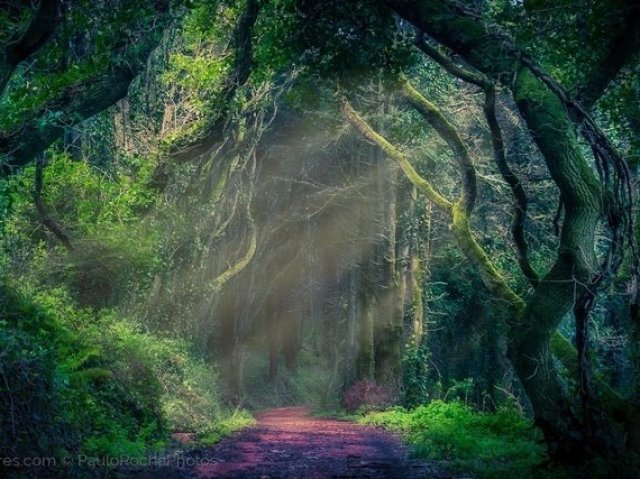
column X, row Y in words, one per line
column 288, row 443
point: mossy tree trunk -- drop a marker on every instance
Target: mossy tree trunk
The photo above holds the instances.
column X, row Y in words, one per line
column 533, row 323
column 419, row 251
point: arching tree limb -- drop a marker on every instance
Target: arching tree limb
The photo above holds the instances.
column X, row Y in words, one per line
column 412, row 175
column 87, row 97
column 448, row 133
column 469, row 76
column 212, row 133
column 456, row 211
column 521, row 201
column 545, row 111
column 238, row 267
column 43, row 23
column 520, row 197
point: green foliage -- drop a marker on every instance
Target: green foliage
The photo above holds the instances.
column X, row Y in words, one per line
column 275, row 52
column 236, row 420
column 415, row 373
column 27, row 395
column 497, row 445
column 77, row 386
column 13, row 21
column 186, row 386
column 309, row 385
column 347, row 40
column 74, row 381
column 114, row 251
column 88, row 43
column 199, row 63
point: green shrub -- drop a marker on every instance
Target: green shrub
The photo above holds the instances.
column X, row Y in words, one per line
column 496, row 445
column 75, row 381
column 309, row 385
column 62, row 387
column 162, row 370
column 115, row 254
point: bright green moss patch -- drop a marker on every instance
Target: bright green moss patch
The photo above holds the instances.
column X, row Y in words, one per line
column 237, row 420
column 496, row 445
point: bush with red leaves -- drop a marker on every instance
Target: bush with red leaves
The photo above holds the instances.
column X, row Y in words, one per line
column 366, row 395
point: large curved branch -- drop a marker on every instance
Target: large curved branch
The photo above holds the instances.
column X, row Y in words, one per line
column 552, row 129
column 47, row 220
column 43, row 23
column 521, row 202
column 85, row 98
column 223, row 278
column 449, row 134
column 243, row 63
column 456, row 212
column 561, row 347
column 70, row 107
column 424, row 186
column 445, row 62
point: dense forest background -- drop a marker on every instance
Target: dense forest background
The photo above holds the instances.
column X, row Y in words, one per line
column 209, row 206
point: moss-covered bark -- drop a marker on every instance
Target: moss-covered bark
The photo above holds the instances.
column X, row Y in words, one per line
column 575, row 264
column 553, row 130
column 87, row 97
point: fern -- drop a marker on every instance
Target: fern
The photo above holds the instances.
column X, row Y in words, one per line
column 76, row 361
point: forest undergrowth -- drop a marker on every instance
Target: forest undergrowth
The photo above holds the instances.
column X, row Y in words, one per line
column 80, row 385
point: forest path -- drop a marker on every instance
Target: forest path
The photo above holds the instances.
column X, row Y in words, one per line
column 288, row 443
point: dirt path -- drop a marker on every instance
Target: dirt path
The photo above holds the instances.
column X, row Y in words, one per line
column 288, row 443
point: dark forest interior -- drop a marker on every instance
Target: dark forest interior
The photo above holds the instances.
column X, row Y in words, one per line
column 417, row 214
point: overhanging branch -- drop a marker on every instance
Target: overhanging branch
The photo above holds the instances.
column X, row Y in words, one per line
column 519, row 195
column 412, row 175
column 43, row 23
column 521, row 201
column 449, row 134
column 456, row 212
column 83, row 99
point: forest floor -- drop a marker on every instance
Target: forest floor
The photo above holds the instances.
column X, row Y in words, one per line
column 289, row 443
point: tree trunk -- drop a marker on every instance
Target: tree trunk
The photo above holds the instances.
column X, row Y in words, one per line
column 419, row 245
column 290, row 341
column 554, row 133
column 365, row 367
column 388, row 332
